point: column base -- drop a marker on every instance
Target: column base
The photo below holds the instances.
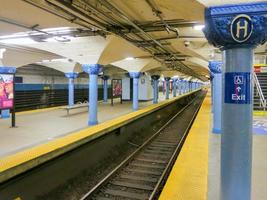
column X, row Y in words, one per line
column 92, row 123
column 216, row 130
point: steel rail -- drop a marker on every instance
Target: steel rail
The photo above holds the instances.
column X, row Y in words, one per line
column 131, row 156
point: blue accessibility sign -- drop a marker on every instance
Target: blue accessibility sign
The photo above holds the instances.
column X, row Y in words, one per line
column 237, row 88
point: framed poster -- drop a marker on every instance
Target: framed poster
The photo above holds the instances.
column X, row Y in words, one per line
column 116, row 85
column 6, row 91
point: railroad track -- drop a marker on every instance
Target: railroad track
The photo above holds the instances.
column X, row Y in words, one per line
column 141, row 175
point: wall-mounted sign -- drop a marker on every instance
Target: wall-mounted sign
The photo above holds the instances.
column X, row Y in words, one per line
column 6, row 91
column 241, row 28
column 237, row 88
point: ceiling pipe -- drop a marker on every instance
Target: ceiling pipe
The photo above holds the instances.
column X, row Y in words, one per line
column 73, row 19
column 158, row 47
column 123, row 16
column 158, row 13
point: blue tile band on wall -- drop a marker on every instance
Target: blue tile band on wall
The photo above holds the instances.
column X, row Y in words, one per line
column 237, row 88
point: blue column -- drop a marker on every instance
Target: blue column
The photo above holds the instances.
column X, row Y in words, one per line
column 167, row 80
column 71, row 76
column 186, row 86
column 182, row 86
column 105, row 88
column 236, row 30
column 179, row 86
column 216, row 67
column 135, row 76
column 155, row 79
column 212, row 91
column 174, row 81
column 93, row 71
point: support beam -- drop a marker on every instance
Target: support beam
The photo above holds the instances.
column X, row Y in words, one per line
column 105, row 88
column 155, row 79
column 216, row 69
column 93, row 71
column 71, row 76
column 135, row 76
column 167, row 81
column 174, row 84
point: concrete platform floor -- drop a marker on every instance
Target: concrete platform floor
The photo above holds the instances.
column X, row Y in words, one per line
column 40, row 127
column 259, row 163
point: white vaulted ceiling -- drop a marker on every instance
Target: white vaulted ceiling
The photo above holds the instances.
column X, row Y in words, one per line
column 191, row 48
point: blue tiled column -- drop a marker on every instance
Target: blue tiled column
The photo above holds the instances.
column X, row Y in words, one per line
column 93, row 71
column 186, row 86
column 236, row 30
column 167, row 80
column 212, row 91
column 179, row 86
column 174, row 81
column 183, row 86
column 215, row 67
column 71, row 76
column 105, row 88
column 135, row 76
column 155, row 79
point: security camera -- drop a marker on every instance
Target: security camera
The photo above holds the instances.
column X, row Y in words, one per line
column 186, row 43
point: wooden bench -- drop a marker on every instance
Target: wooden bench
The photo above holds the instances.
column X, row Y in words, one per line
column 76, row 106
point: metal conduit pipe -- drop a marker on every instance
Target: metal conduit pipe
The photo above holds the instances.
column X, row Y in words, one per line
column 72, row 19
column 123, row 16
column 157, row 11
column 84, row 17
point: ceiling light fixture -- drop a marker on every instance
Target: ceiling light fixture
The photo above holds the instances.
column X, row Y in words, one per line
column 199, row 27
column 129, row 58
column 18, row 41
column 2, row 51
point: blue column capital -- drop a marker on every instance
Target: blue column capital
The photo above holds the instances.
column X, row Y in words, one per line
column 174, row 79
column 105, row 77
column 167, row 78
column 215, row 67
column 236, row 26
column 155, row 77
column 71, row 75
column 92, row 68
column 8, row 70
column 134, row 74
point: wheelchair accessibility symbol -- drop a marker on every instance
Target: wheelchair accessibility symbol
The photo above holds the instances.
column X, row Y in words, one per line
column 238, row 80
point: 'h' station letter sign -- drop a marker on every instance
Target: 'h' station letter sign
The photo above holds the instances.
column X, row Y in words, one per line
column 241, row 28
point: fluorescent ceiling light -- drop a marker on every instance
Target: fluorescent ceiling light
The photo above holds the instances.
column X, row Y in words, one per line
column 65, row 60
column 2, row 51
column 199, row 27
column 56, row 29
column 129, row 58
column 18, row 41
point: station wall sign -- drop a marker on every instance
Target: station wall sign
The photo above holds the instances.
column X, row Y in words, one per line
column 237, row 88
column 6, row 91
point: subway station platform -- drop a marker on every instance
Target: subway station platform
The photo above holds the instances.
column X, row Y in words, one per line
column 40, row 126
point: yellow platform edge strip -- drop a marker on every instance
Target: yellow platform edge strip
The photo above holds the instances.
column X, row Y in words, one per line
column 89, row 134
column 260, row 113
column 188, row 179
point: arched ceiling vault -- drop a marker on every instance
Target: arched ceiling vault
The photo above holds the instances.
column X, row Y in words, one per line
column 104, row 32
